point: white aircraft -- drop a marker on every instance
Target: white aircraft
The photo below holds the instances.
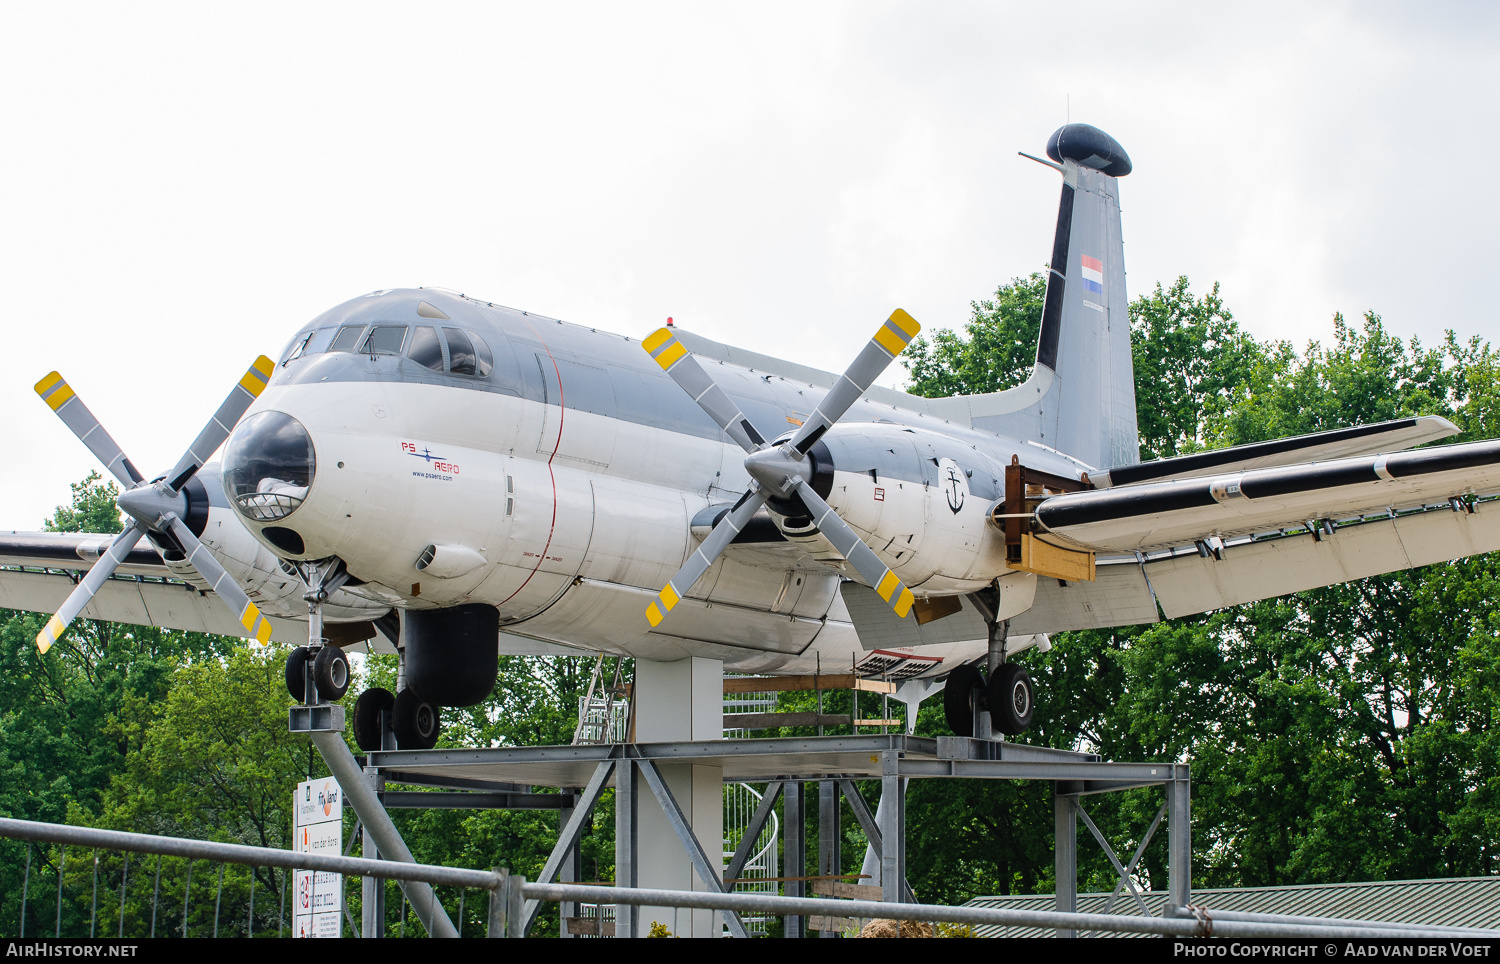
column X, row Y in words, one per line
column 470, row 480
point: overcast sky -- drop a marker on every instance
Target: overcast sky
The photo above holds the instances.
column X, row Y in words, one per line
column 185, row 185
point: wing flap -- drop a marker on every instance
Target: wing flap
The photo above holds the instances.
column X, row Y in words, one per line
column 1118, row 596
column 1188, row 582
column 1167, row 514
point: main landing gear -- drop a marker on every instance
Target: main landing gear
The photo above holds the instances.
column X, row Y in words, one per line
column 1007, row 695
column 414, row 722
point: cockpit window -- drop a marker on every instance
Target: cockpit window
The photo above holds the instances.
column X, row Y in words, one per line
column 347, row 338
column 384, row 340
column 484, row 361
column 461, row 360
column 309, row 343
column 297, row 347
column 425, row 349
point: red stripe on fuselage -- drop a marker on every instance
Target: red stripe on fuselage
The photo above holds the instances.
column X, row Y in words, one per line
column 561, row 414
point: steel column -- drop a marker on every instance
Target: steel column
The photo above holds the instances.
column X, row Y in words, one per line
column 1065, row 831
column 1179, row 839
column 627, row 844
column 892, row 830
column 794, row 837
column 372, row 889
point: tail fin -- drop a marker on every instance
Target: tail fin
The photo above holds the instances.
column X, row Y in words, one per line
column 1080, row 398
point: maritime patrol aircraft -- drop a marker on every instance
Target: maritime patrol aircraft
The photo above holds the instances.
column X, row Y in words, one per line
column 453, row 479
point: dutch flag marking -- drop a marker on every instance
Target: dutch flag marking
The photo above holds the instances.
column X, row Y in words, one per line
column 1093, row 274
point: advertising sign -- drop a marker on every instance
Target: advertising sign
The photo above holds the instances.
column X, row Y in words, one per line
column 318, row 829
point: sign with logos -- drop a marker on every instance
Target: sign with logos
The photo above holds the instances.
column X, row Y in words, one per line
column 318, row 828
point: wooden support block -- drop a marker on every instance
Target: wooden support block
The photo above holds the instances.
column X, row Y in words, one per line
column 1046, row 559
column 929, row 608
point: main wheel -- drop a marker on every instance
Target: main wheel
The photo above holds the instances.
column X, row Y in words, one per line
column 415, row 721
column 367, row 709
column 296, row 673
column 962, row 686
column 1011, row 698
column 331, row 673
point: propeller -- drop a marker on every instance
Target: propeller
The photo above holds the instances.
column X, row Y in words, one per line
column 155, row 507
column 782, row 471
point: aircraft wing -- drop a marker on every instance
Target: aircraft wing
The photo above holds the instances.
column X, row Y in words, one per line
column 1207, row 543
column 39, row 569
column 1393, row 436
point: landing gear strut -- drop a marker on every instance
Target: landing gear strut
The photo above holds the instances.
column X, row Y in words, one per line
column 1008, row 696
column 317, row 672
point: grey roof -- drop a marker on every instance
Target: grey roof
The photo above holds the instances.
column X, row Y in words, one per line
column 1461, row 902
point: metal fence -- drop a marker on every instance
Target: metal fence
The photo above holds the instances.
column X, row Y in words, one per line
column 503, row 895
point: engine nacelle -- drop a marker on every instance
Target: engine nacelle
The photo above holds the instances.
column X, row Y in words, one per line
column 452, row 655
column 919, row 499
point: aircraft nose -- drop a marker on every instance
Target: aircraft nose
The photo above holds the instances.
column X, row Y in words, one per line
column 268, row 466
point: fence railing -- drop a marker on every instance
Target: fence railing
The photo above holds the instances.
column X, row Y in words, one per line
column 507, row 893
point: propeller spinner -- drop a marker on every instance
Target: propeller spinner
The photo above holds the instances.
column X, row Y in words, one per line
column 783, row 471
column 155, row 507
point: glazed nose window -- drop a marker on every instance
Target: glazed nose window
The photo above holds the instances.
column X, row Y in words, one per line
column 268, row 466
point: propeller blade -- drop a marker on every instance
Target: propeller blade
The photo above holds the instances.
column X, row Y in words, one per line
column 853, row 548
column 889, row 341
column 257, row 626
column 668, row 352
column 704, row 556
column 90, row 584
column 222, row 423
column 75, row 415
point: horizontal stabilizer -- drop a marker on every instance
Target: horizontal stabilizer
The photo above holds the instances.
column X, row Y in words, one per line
column 1166, row 514
column 1393, row 436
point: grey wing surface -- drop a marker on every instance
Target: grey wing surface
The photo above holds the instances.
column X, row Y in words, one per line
column 38, row 571
column 1203, row 544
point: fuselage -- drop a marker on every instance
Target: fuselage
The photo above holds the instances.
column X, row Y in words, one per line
column 462, row 452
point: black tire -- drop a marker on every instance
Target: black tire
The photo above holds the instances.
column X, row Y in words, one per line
column 296, row 673
column 367, row 709
column 416, row 721
column 331, row 673
column 957, row 693
column 1012, row 699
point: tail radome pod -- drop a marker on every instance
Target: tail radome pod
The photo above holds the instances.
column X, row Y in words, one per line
column 1090, row 147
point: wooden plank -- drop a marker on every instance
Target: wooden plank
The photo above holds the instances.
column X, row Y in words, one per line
column 837, row 888
column 1046, row 559
column 590, row 927
column 782, row 684
column 764, row 721
column 835, row 924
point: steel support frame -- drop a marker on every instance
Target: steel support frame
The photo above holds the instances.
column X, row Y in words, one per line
column 1175, row 809
column 1073, row 775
